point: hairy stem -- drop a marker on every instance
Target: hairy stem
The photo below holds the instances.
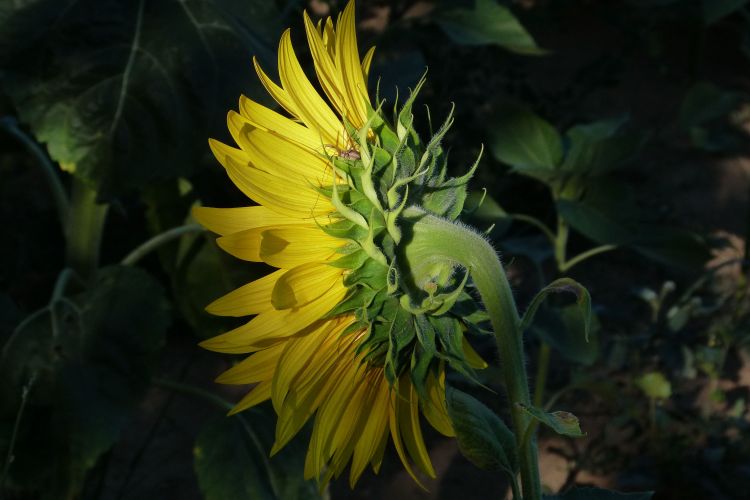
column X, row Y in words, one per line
column 438, row 240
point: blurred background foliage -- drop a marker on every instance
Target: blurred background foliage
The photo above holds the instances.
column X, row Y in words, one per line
column 616, row 152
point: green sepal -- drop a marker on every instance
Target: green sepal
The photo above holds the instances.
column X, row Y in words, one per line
column 400, row 335
column 421, row 364
column 450, row 336
column 351, row 261
column 344, row 229
column 371, row 274
column 357, row 298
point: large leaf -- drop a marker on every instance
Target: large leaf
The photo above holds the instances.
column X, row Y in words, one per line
column 600, row 494
column 600, row 147
column 675, row 247
column 91, row 370
column 561, row 327
column 487, row 23
column 526, row 142
column 231, row 461
column 713, row 10
column 122, row 92
column 482, row 436
column 596, row 222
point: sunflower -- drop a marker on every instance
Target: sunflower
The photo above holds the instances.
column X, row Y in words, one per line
column 342, row 333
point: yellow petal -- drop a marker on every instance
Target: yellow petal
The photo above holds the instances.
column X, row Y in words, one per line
column 411, row 429
column 311, row 108
column 350, row 67
column 280, row 95
column 260, row 393
column 393, row 424
column 253, row 298
column 474, row 359
column 304, row 284
column 324, row 67
column 373, row 432
column 233, row 220
column 279, row 156
column 291, row 246
column 255, row 368
column 434, row 408
column 244, row 245
column 269, row 326
column 276, row 193
column 366, row 63
column 306, row 357
column 273, row 122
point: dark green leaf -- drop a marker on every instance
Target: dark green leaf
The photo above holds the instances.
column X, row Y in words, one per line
column 674, row 247
column 600, row 494
column 526, row 142
column 601, row 223
column 483, row 437
column 597, row 148
column 122, row 92
column 487, row 23
column 227, row 464
column 561, row 327
column 705, row 102
column 92, row 367
column 562, row 422
column 713, row 10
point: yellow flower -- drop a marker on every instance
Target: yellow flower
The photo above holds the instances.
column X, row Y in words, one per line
column 310, row 362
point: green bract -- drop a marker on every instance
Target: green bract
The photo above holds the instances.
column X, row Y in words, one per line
column 415, row 315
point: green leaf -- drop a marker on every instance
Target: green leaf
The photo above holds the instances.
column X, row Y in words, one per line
column 705, row 102
column 122, row 92
column 600, row 494
column 93, row 368
column 526, row 142
column 674, row 247
column 562, row 285
column 714, row 10
column 483, row 437
column 597, row 148
column 561, row 328
column 562, row 422
column 487, row 24
column 227, row 464
column 231, row 460
column 654, row 385
column 601, row 223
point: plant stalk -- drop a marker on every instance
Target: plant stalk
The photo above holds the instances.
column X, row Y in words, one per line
column 84, row 230
column 439, row 240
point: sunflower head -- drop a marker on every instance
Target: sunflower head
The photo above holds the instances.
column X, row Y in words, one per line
column 356, row 327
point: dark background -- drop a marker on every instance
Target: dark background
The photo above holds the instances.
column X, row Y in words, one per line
column 116, row 98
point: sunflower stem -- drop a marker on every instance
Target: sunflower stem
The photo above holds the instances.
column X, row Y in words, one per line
column 160, row 239
column 84, row 229
column 50, row 172
column 438, row 240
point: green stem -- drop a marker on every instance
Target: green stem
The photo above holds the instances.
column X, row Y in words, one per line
column 84, row 230
column 51, row 176
column 157, row 241
column 566, row 266
column 541, row 373
column 9, row 459
column 435, row 240
column 536, row 223
column 561, row 242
